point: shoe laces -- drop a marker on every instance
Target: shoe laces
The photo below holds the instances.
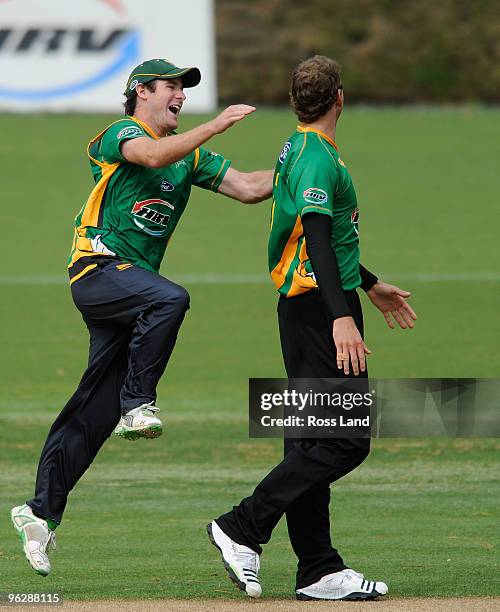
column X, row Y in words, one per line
column 42, row 546
column 350, row 574
column 149, row 409
column 337, row 578
column 51, row 541
column 247, row 557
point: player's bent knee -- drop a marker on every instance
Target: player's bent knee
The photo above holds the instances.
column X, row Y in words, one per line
column 177, row 298
column 182, row 299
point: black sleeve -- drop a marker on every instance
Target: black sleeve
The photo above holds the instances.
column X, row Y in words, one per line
column 367, row 278
column 318, row 232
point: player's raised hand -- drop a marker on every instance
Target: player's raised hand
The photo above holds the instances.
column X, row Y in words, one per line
column 231, row 115
column 391, row 301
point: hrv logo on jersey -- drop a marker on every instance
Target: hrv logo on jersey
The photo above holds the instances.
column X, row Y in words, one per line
column 152, row 215
column 315, row 195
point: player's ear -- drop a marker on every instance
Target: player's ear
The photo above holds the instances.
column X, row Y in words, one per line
column 340, row 96
column 140, row 90
column 339, row 101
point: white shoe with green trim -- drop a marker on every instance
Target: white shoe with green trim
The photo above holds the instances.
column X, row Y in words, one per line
column 242, row 563
column 140, row 422
column 344, row 585
column 35, row 536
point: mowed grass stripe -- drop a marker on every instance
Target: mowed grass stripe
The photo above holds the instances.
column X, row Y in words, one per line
column 243, row 279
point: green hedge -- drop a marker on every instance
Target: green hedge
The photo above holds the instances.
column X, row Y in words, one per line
column 391, row 51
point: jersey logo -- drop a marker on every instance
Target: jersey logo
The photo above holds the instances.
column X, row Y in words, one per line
column 131, row 130
column 304, row 275
column 315, row 195
column 284, row 151
column 98, row 246
column 166, row 186
column 152, row 215
column 355, row 219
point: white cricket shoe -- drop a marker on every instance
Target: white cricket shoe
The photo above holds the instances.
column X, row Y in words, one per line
column 140, row 422
column 241, row 563
column 35, row 536
column 346, row 585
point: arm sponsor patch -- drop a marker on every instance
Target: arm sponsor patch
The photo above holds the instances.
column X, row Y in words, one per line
column 284, row 151
column 130, row 132
column 315, row 195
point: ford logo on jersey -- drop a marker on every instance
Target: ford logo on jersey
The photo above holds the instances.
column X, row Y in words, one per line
column 166, row 186
column 49, row 51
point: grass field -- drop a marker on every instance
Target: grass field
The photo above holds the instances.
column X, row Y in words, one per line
column 422, row 514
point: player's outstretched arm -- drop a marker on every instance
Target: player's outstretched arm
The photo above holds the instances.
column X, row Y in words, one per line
column 391, row 301
column 247, row 187
column 169, row 149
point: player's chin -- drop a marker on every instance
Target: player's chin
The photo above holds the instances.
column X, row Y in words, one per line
column 172, row 121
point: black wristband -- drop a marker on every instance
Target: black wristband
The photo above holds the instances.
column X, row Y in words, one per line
column 367, row 278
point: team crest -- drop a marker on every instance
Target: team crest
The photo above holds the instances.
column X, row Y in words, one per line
column 304, row 275
column 152, row 216
column 355, row 219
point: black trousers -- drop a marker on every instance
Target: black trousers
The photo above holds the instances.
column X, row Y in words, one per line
column 133, row 317
column 299, row 486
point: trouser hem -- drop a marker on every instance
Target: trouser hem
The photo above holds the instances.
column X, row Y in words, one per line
column 236, row 535
column 40, row 515
column 128, row 405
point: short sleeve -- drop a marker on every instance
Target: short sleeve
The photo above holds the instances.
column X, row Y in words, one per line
column 114, row 136
column 209, row 169
column 312, row 184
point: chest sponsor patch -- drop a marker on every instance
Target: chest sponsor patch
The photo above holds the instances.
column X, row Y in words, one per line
column 166, row 186
column 152, row 216
column 284, row 151
column 130, row 131
column 315, row 195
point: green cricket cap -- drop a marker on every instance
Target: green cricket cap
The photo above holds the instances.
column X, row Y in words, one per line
column 161, row 69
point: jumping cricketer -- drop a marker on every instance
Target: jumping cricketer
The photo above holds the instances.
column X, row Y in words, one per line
column 143, row 174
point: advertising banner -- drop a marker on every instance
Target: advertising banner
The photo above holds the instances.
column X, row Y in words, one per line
column 76, row 55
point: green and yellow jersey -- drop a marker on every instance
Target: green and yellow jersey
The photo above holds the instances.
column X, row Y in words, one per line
column 311, row 177
column 133, row 210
